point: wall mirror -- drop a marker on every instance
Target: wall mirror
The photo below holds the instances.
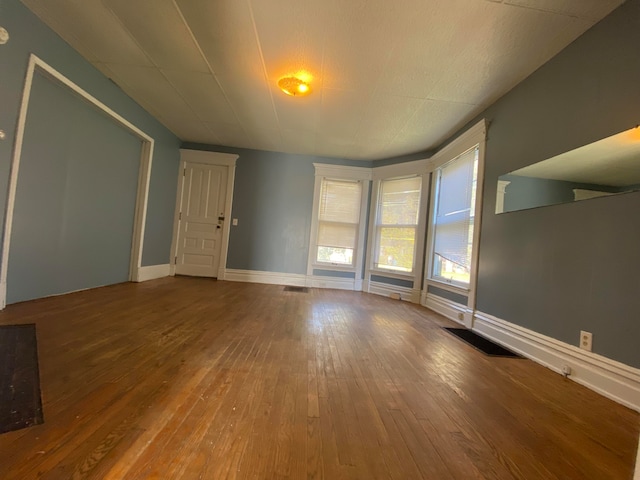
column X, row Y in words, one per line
column 610, row 166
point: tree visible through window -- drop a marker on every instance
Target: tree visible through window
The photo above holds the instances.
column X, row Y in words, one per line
column 396, row 223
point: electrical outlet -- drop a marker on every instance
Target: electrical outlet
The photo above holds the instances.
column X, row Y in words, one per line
column 460, row 316
column 586, row 340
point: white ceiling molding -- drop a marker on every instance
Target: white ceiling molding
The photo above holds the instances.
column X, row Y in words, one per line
column 404, row 169
column 342, row 171
column 469, row 139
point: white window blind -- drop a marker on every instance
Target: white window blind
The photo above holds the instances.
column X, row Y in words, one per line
column 338, row 220
column 453, row 223
column 396, row 223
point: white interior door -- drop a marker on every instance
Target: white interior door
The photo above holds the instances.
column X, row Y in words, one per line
column 201, row 219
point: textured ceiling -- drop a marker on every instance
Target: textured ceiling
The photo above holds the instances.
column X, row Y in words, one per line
column 390, row 77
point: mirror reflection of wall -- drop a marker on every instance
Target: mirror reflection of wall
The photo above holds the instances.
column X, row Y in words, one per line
column 607, row 167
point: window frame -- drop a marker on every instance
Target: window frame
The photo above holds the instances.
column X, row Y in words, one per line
column 436, row 184
column 337, row 223
column 339, row 173
column 378, row 226
column 474, row 136
column 399, row 170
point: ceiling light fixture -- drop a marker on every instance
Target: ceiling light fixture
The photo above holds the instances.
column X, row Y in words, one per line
column 294, row 86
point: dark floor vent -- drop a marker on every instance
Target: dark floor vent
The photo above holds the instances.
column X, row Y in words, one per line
column 296, row 289
column 480, row 343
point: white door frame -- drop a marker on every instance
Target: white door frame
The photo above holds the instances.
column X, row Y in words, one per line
column 209, row 158
column 143, row 176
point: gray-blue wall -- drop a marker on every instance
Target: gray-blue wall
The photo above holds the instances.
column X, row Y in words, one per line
column 561, row 269
column 75, row 201
column 273, row 202
column 29, row 35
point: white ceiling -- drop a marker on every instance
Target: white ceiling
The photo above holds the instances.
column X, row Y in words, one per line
column 390, row 77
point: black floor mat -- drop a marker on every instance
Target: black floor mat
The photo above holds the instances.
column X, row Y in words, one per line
column 480, row 343
column 20, row 403
column 296, row 289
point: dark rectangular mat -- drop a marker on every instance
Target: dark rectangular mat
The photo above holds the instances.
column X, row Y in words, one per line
column 480, row 343
column 296, row 289
column 20, row 403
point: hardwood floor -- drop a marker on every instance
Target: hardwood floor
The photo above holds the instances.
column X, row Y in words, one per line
column 197, row 379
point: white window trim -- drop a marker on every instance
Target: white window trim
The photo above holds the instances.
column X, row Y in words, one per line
column 476, row 135
column 389, row 172
column 399, row 170
column 339, row 172
column 455, row 285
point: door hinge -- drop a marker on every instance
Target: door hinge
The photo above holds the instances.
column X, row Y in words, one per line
column 180, row 216
column 184, row 172
column 175, row 261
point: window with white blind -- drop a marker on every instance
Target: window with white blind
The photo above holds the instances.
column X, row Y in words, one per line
column 336, row 241
column 397, row 217
column 338, row 221
column 453, row 221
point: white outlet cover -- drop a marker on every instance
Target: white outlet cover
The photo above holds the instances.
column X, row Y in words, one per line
column 586, row 340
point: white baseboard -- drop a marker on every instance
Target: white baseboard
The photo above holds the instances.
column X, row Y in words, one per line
column 152, row 272
column 272, row 278
column 294, row 279
column 452, row 310
column 610, row 378
column 387, row 290
column 337, row 283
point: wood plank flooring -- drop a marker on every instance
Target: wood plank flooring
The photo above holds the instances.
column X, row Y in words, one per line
column 197, row 379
